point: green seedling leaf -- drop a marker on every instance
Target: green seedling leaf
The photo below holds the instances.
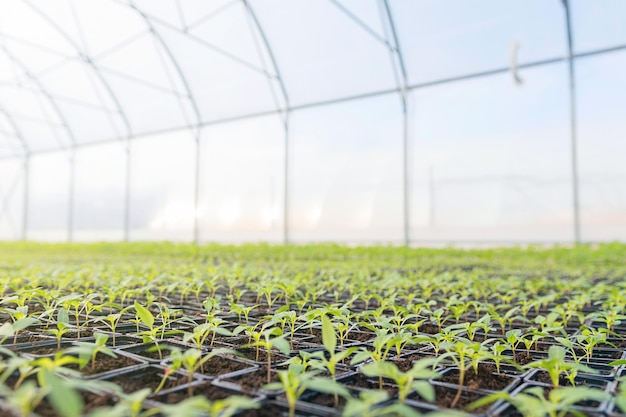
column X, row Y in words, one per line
column 21, row 324
column 66, row 401
column 63, row 317
column 329, row 338
column 144, row 315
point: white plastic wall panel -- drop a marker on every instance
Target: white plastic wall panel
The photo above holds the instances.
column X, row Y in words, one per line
column 448, row 38
column 100, row 192
column 491, row 159
column 11, row 198
column 598, row 24
column 346, row 171
column 326, row 54
column 242, row 181
column 162, row 183
column 602, row 146
column 48, row 207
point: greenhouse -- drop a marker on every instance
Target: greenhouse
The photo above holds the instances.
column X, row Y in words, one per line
column 312, row 208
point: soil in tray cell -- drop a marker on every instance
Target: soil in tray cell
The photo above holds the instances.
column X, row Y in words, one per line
column 543, row 377
column 445, row 396
column 266, row 410
column 217, row 366
column 27, row 338
column 254, row 380
column 105, row 363
column 361, row 381
column 251, row 354
column 91, row 401
column 487, row 378
column 405, row 363
column 146, row 378
column 205, row 389
column 327, row 400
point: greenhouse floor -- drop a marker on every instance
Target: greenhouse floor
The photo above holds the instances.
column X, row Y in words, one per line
column 142, row 329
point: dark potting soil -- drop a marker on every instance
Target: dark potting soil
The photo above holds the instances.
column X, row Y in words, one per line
column 44, row 350
column 104, row 363
column 429, row 328
column 361, row 381
column 219, row 366
column 327, row 400
column 445, row 396
column 251, row 354
column 32, row 338
column 91, row 401
column 254, row 380
column 406, row 363
column 361, row 336
column 522, row 357
column 75, row 335
column 487, row 378
column 205, row 389
column 266, row 410
column 135, row 381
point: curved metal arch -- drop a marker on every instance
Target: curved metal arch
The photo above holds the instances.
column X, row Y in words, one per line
column 89, row 61
column 172, row 58
column 70, row 133
column 405, row 129
column 269, row 49
column 26, row 168
column 18, row 132
column 43, row 91
column 196, row 109
column 285, row 114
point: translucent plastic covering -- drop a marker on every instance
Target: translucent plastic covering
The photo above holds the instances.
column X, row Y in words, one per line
column 312, row 120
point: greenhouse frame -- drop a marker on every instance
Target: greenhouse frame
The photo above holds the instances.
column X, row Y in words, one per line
column 330, row 120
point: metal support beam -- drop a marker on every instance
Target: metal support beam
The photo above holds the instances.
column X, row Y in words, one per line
column 127, row 192
column 26, row 197
column 196, row 190
column 286, row 186
column 70, row 209
column 573, row 124
column 404, row 91
column 284, row 112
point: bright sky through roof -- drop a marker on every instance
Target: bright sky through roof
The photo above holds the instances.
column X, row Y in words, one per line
column 489, row 159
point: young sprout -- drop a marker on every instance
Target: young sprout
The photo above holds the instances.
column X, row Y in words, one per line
column 87, row 351
column 368, row 405
column 147, row 318
column 63, row 324
column 295, row 381
column 555, row 365
column 270, row 338
column 461, row 353
column 330, row 359
column 25, row 398
column 414, row 379
column 112, row 320
column 201, row 406
column 192, row 360
column 533, row 403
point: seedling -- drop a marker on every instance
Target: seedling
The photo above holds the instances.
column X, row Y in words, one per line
column 88, row 351
column 533, row 403
column 414, row 379
column 555, row 365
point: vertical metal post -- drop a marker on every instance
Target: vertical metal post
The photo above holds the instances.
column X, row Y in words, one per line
column 196, row 191
column 396, row 51
column 573, row 125
column 70, row 209
column 431, row 191
column 286, row 184
column 405, row 169
column 127, row 193
column 26, row 167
